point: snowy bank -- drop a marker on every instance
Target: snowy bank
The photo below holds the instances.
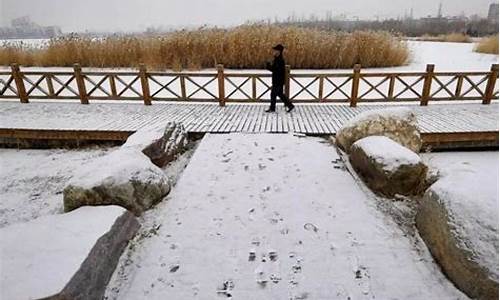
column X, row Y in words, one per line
column 458, row 219
column 32, row 181
column 70, row 255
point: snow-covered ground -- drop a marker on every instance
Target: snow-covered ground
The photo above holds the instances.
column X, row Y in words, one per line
column 32, row 43
column 486, row 162
column 468, row 188
column 260, row 216
column 32, row 181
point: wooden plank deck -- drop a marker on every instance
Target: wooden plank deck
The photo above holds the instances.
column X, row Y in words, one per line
column 314, row 119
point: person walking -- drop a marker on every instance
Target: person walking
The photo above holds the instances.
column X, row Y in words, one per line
column 277, row 67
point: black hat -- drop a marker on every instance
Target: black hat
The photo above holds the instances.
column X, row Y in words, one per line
column 279, row 47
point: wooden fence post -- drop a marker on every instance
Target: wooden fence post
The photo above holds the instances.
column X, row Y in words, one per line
column 490, row 86
column 80, row 83
column 426, row 90
column 220, row 80
column 287, row 81
column 146, row 96
column 355, row 84
column 18, row 79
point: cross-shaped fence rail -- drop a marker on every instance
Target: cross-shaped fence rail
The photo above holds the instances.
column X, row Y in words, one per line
column 220, row 86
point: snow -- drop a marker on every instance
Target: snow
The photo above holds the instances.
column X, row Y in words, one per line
column 32, row 43
column 390, row 112
column 145, row 136
column 289, row 201
column 40, row 257
column 387, row 152
column 32, row 181
column 468, row 188
column 121, row 165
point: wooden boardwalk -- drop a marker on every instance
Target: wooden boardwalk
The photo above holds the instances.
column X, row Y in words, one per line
column 116, row 121
column 197, row 117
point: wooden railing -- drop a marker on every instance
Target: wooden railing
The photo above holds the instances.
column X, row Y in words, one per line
column 222, row 87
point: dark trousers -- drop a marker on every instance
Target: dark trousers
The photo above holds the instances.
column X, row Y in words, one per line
column 277, row 91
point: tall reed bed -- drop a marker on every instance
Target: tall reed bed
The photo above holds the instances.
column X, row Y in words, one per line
column 488, row 45
column 246, row 46
column 450, row 38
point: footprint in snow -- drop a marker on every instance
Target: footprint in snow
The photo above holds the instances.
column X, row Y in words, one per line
column 260, row 276
column 252, row 254
column 275, row 278
column 174, row 268
column 360, row 272
column 311, row 227
column 226, row 288
column 227, row 153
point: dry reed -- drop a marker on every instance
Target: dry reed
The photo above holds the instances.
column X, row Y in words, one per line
column 245, row 46
column 488, row 45
column 450, row 38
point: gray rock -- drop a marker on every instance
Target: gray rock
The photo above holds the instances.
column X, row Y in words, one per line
column 124, row 177
column 399, row 124
column 161, row 143
column 387, row 167
column 67, row 256
column 459, row 224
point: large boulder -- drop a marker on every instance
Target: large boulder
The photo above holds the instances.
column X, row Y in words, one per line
column 161, row 142
column 67, row 256
column 458, row 220
column 399, row 124
column 124, row 177
column 387, row 167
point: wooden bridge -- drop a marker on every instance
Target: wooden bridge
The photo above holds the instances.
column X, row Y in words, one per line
column 221, row 87
column 442, row 125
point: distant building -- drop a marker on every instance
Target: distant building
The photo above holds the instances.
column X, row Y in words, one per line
column 24, row 28
column 493, row 13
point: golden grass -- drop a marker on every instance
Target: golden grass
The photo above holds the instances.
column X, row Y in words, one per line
column 247, row 46
column 450, row 38
column 488, row 45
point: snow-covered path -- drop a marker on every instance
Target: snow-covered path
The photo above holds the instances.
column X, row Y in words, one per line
column 315, row 233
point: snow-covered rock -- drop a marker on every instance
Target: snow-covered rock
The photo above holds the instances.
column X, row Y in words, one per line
column 66, row 256
column 387, row 167
column 458, row 220
column 125, row 177
column 399, row 124
column 161, row 142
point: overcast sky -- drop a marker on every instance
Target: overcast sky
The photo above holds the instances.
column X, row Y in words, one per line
column 134, row 15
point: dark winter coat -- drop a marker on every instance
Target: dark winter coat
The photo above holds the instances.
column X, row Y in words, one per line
column 278, row 69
